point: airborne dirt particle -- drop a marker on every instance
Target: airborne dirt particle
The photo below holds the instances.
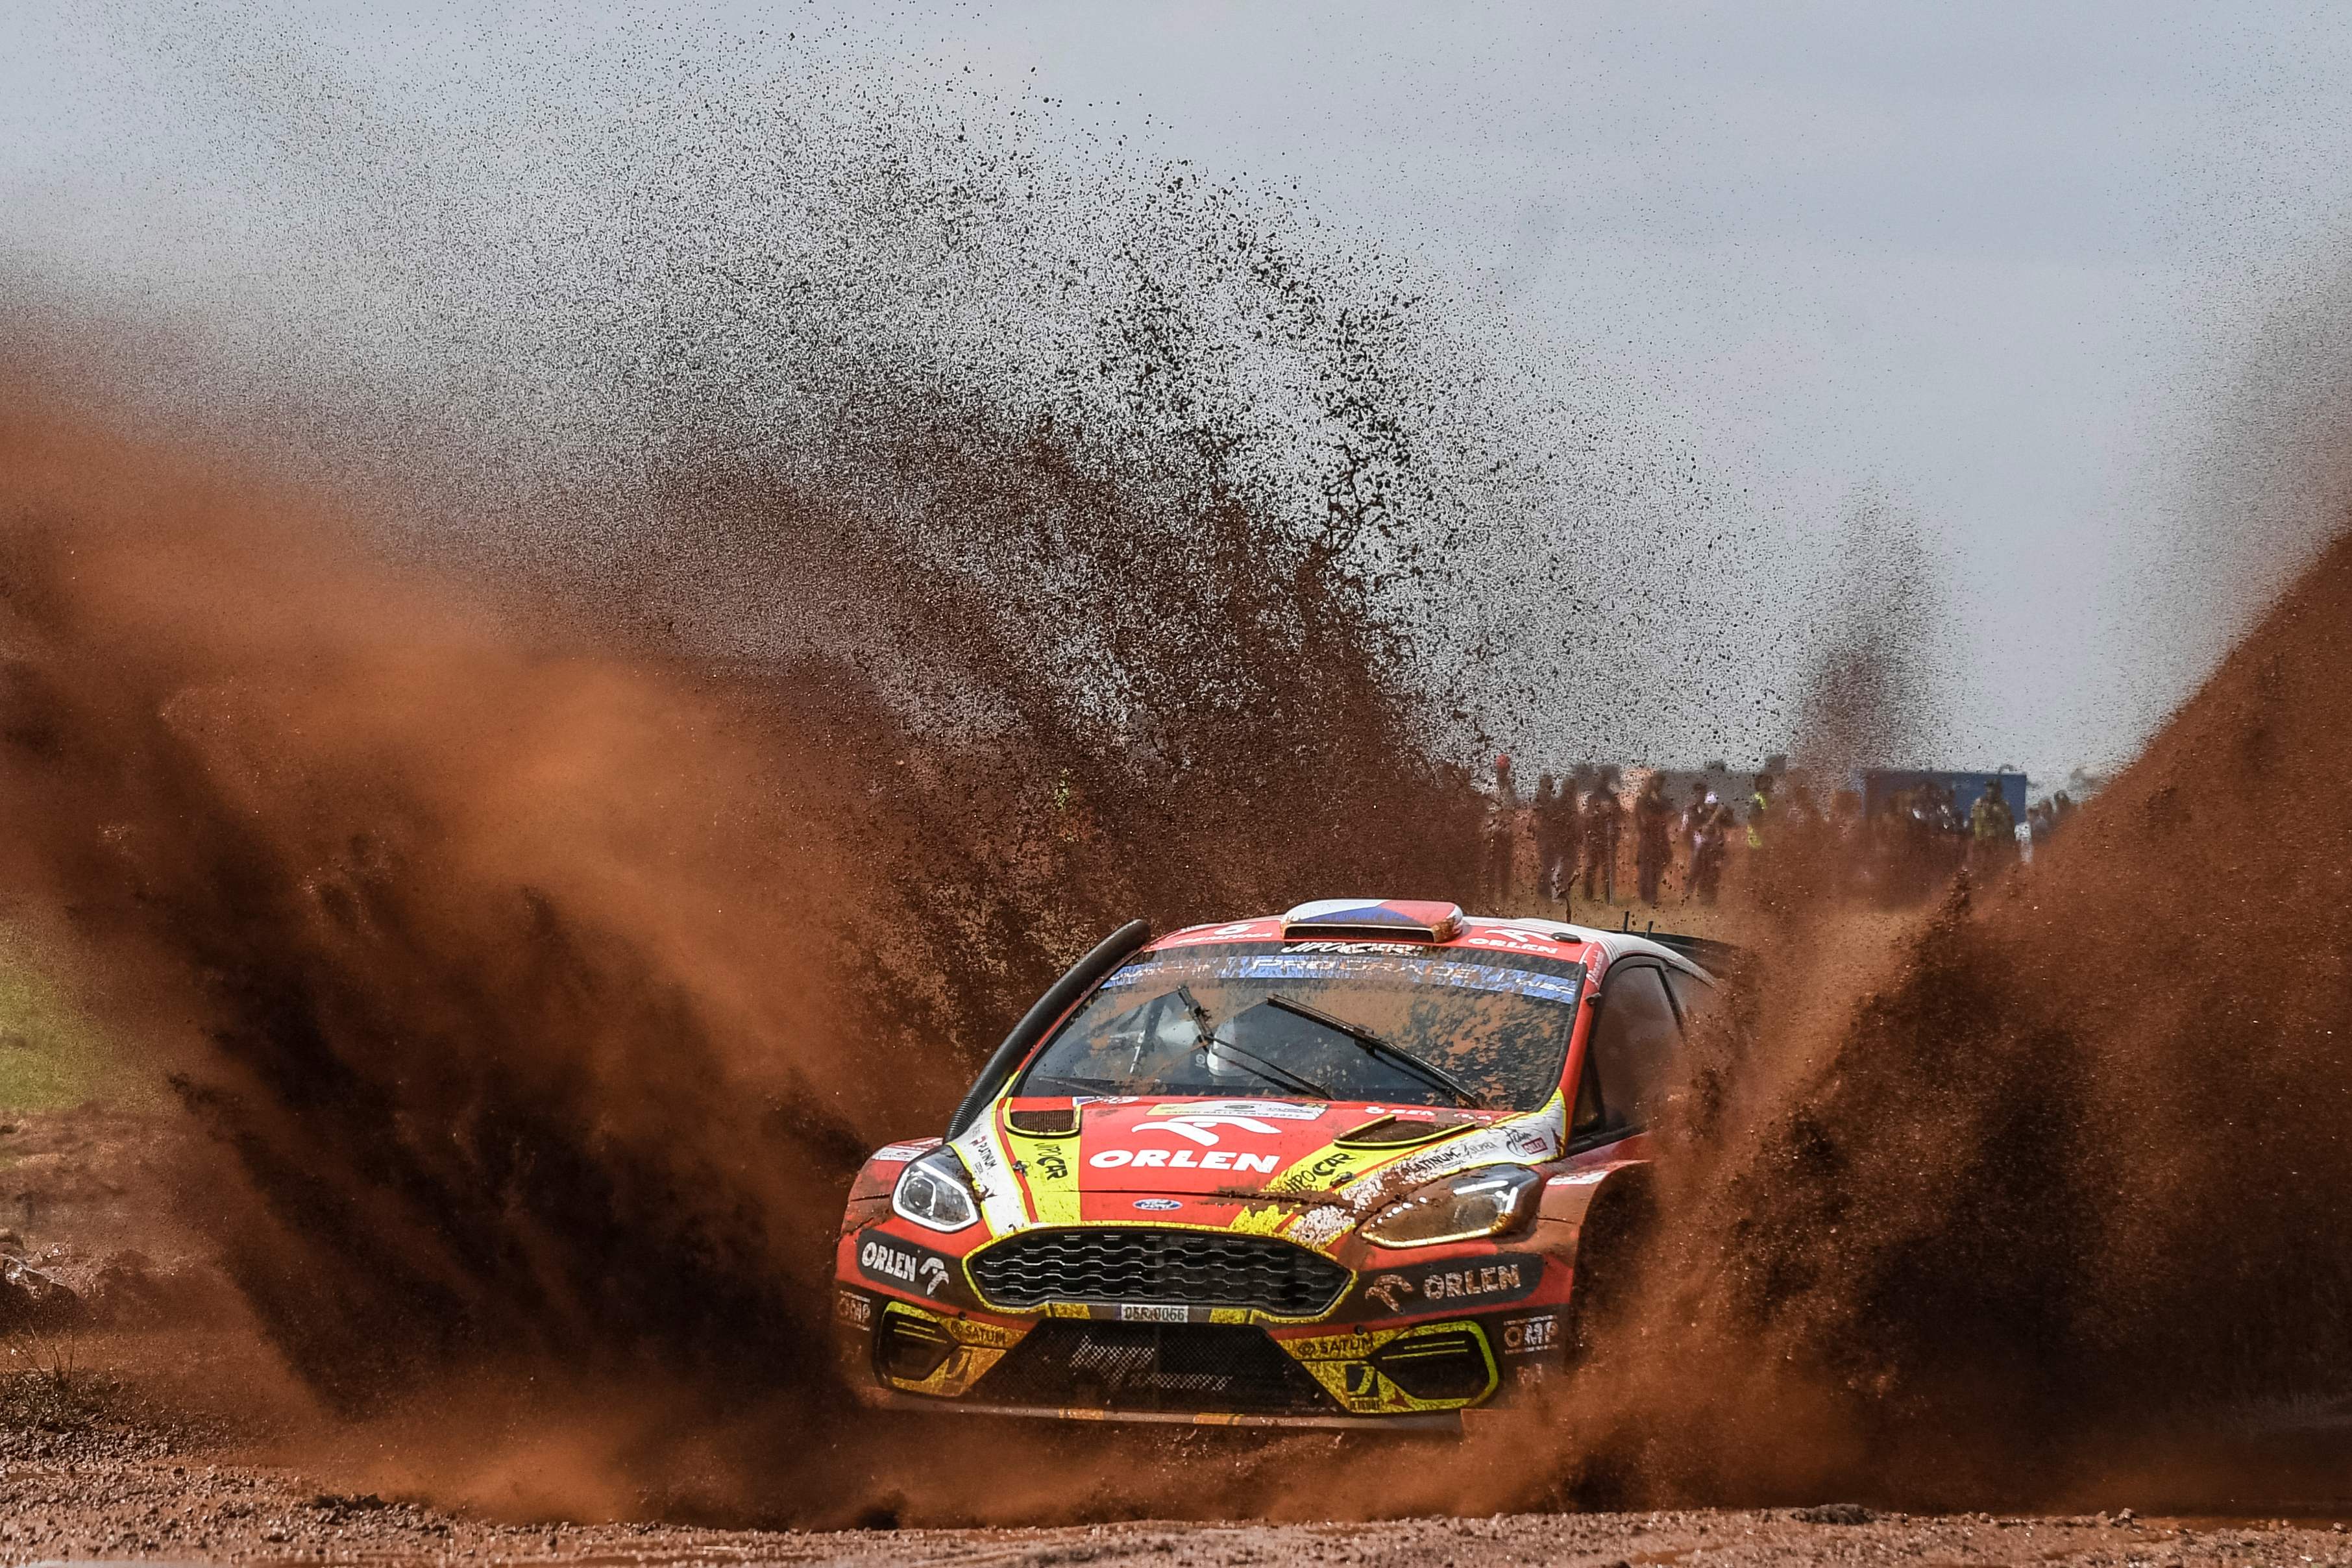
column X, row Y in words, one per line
column 550, row 796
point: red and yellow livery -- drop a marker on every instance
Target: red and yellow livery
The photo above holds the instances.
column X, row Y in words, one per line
column 1329, row 1168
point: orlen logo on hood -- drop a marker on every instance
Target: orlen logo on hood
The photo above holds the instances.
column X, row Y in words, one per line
column 1204, row 1132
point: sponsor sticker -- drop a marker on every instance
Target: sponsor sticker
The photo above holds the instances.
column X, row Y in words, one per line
column 899, row 1153
column 895, row 1262
column 1182, row 1160
column 1203, row 1129
column 1415, row 967
column 1504, row 1278
column 1357, row 947
column 1157, row 1205
column 1510, row 937
column 1230, row 932
column 1531, row 1336
column 1271, row 1110
column 1534, row 1143
column 1306, row 1176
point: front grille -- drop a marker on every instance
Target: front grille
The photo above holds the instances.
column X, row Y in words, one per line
column 1065, row 1364
column 1186, row 1268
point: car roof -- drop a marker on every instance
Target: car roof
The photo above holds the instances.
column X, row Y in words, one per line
column 1466, row 928
column 1617, row 944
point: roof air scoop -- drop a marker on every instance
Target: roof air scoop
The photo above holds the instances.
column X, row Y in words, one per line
column 1374, row 920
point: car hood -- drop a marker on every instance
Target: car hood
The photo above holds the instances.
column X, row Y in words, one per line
column 1256, row 1164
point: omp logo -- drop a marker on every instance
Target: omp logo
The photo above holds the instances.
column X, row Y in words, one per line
column 904, row 1265
column 1198, row 1130
column 1525, row 1336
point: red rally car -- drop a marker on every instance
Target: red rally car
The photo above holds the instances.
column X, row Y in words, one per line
column 1326, row 1169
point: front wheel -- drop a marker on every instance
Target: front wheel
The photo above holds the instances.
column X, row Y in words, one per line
column 1615, row 1242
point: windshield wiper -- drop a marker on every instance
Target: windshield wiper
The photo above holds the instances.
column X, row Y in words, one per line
column 1265, row 1069
column 1428, row 1072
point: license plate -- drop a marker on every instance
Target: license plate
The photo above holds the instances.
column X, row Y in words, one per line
column 1154, row 1314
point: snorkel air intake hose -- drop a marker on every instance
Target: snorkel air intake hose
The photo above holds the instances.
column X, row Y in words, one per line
column 1083, row 976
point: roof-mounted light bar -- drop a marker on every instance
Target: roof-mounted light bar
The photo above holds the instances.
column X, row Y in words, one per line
column 1375, row 920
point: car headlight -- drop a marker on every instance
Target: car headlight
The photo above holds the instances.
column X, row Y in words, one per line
column 1489, row 1201
column 934, row 1193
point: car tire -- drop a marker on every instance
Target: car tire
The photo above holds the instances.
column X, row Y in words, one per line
column 1617, row 1236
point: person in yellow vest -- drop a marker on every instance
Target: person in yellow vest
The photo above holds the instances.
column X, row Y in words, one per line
column 1993, row 829
column 1759, row 803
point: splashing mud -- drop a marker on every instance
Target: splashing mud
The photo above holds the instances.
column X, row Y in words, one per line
column 542, row 999
column 554, row 791
column 2049, row 1198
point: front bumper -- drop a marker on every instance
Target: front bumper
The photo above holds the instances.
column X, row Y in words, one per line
column 1406, row 1346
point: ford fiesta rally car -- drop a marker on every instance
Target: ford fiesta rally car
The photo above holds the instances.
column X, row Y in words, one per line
column 1329, row 1169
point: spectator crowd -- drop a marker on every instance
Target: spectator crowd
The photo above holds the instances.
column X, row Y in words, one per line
column 1582, row 838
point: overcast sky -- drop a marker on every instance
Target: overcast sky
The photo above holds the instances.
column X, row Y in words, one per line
column 1991, row 262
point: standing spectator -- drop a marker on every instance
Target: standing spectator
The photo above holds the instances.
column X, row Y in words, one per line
column 1759, row 803
column 1604, row 824
column 1708, row 824
column 1539, row 828
column 1993, row 829
column 1555, row 826
column 1653, row 850
column 1568, row 833
column 1502, row 836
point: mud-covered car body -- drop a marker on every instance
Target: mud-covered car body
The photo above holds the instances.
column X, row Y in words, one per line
column 1326, row 1168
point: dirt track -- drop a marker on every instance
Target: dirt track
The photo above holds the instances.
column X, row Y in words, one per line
column 73, row 1499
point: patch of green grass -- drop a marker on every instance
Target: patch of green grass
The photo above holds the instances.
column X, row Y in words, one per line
column 51, row 1056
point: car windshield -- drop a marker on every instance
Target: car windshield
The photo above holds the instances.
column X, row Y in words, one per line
column 1416, row 1029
